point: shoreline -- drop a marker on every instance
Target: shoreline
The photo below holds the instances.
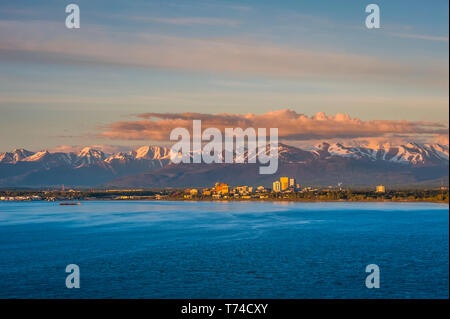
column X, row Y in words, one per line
column 276, row 200
column 233, row 200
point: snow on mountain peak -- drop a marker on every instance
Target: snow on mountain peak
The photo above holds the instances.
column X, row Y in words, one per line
column 20, row 153
column 121, row 157
column 36, row 156
column 88, row 156
column 6, row 157
column 410, row 153
column 92, row 152
column 152, row 152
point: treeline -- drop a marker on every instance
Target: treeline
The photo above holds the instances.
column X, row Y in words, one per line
column 318, row 195
column 348, row 195
column 76, row 194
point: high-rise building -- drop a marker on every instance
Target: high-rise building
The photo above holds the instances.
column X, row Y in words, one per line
column 221, row 188
column 276, row 186
column 284, row 181
column 292, row 182
column 381, row 189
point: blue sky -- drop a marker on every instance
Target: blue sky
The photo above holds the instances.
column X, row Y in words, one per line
column 64, row 87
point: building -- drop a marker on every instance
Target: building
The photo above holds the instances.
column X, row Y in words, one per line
column 284, row 181
column 380, row 189
column 292, row 182
column 220, row 188
column 242, row 189
column 276, row 186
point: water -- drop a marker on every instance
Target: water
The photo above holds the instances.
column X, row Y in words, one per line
column 224, row 250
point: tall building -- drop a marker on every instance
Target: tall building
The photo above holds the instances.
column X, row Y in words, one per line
column 221, row 188
column 284, row 183
column 276, row 186
column 381, row 189
column 292, row 182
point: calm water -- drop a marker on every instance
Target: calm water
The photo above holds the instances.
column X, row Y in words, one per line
column 231, row 250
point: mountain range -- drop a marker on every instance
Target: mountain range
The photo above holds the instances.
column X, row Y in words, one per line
column 412, row 164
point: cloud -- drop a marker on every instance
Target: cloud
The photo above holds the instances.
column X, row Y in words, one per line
column 109, row 149
column 420, row 37
column 442, row 139
column 190, row 21
column 46, row 42
column 66, row 149
column 291, row 125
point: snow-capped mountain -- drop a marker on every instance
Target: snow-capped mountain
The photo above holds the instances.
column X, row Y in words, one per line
column 89, row 156
column 91, row 166
column 86, row 157
column 120, row 157
column 14, row 156
column 411, row 153
column 152, row 152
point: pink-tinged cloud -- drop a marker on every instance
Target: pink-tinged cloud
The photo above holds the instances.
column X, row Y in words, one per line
column 442, row 139
column 237, row 56
column 291, row 125
column 77, row 148
column 420, row 37
column 189, row 21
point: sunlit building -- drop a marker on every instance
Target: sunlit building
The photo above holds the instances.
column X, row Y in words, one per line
column 220, row 188
column 284, row 183
column 242, row 189
column 276, row 186
column 381, row 189
column 292, row 182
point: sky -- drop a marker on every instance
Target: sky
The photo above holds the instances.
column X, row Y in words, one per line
column 136, row 69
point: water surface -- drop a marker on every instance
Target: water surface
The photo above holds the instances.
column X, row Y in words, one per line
column 161, row 249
